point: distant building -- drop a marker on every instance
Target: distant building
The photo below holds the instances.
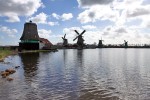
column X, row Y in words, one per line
column 30, row 39
column 45, row 44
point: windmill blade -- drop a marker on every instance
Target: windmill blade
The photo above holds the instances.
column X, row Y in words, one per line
column 83, row 32
column 76, row 32
column 75, row 38
column 124, row 40
column 64, row 36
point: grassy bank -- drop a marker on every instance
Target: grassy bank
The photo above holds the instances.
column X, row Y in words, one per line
column 5, row 53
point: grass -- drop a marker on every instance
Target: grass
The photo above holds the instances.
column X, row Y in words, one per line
column 4, row 53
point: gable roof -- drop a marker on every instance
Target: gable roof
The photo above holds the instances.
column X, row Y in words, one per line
column 45, row 41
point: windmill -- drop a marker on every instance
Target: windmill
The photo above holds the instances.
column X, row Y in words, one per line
column 80, row 38
column 100, row 44
column 125, row 43
column 65, row 41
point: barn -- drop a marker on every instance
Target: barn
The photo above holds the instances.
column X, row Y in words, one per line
column 45, row 44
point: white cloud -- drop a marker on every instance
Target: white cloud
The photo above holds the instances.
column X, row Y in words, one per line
column 44, row 33
column 89, row 27
column 133, row 34
column 55, row 15
column 12, row 18
column 15, row 8
column 138, row 11
column 132, row 10
column 87, row 3
column 9, row 32
column 145, row 23
column 98, row 13
column 53, row 23
column 118, row 12
column 63, row 17
column 66, row 16
column 40, row 18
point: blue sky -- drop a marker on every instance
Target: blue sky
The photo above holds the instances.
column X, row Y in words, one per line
column 113, row 20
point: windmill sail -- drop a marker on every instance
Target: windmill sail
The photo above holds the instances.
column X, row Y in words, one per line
column 80, row 41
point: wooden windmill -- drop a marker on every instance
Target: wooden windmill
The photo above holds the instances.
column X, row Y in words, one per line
column 30, row 38
column 65, row 41
column 125, row 43
column 100, row 44
column 80, row 41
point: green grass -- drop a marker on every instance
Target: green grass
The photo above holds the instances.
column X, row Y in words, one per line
column 4, row 53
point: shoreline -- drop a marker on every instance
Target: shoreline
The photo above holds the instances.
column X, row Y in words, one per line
column 6, row 53
column 36, row 51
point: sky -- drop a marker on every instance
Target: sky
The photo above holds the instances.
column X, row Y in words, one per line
column 112, row 20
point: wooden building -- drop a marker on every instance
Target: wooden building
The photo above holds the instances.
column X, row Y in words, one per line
column 45, row 44
column 30, row 37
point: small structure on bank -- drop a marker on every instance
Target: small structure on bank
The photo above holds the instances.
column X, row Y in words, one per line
column 100, row 44
column 80, row 41
column 30, row 39
column 45, row 44
column 65, row 41
column 125, row 43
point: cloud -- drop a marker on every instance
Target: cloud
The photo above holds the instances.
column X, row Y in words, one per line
column 138, row 11
column 89, row 27
column 9, row 32
column 116, row 35
column 40, row 18
column 98, row 13
column 63, row 17
column 87, row 3
column 119, row 12
column 131, row 11
column 44, row 33
column 145, row 23
column 15, row 8
column 12, row 18
column 53, row 23
column 55, row 16
column 66, row 16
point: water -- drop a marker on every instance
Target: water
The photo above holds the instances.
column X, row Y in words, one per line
column 90, row 74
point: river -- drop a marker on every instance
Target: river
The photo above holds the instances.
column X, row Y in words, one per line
column 89, row 74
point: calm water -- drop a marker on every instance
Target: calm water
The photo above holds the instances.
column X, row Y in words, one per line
column 91, row 74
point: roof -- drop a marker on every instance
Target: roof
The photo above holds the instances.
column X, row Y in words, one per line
column 45, row 41
column 30, row 32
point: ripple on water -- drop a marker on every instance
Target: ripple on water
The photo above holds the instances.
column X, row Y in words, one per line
column 99, row 74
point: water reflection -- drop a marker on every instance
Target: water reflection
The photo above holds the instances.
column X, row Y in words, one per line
column 90, row 74
column 30, row 61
